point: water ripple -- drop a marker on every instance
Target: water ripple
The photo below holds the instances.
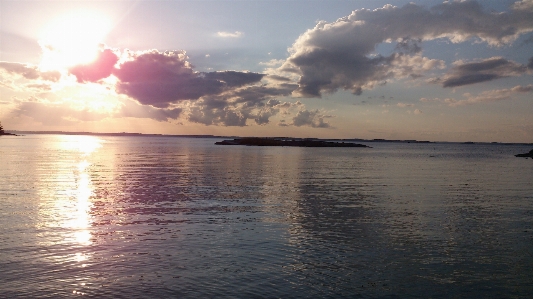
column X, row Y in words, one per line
column 121, row 217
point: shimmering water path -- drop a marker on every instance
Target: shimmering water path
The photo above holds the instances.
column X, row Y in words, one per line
column 150, row 217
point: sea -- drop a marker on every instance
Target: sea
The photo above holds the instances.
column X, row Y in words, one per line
column 169, row 217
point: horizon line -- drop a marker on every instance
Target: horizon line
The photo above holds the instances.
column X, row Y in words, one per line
column 130, row 134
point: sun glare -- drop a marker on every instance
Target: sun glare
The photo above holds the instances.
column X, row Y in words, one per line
column 72, row 39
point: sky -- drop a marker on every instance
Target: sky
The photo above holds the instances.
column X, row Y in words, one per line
column 423, row 69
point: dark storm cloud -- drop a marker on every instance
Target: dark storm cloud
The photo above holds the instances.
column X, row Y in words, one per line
column 481, row 71
column 338, row 54
column 101, row 68
column 530, row 63
column 29, row 72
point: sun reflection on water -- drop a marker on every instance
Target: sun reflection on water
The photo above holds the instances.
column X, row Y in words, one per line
column 66, row 191
column 81, row 223
column 78, row 217
column 85, row 145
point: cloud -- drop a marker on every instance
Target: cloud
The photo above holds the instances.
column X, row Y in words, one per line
column 523, row 5
column 63, row 113
column 488, row 96
column 465, row 73
column 409, row 46
column 426, row 100
column 309, row 118
column 272, row 62
column 39, row 87
column 257, row 104
column 279, row 78
column 133, row 109
column 260, row 93
column 233, row 79
column 160, row 78
column 213, row 111
column 236, row 107
column 339, row 55
column 404, row 105
column 29, row 72
column 56, row 113
column 159, row 81
column 235, row 34
column 101, row 68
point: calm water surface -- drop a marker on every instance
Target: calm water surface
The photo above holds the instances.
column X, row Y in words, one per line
column 156, row 217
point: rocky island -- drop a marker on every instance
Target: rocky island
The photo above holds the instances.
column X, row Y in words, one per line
column 526, row 155
column 257, row 141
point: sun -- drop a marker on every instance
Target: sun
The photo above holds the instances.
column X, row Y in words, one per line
column 72, row 39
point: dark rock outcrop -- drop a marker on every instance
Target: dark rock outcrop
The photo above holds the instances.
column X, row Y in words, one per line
column 527, row 155
column 282, row 142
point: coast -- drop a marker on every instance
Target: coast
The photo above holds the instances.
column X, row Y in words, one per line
column 7, row 134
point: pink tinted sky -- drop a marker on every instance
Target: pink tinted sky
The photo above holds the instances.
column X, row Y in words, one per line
column 426, row 70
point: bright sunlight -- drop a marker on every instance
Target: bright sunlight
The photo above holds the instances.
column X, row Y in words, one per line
column 72, row 39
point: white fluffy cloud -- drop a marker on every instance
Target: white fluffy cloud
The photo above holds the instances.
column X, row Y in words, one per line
column 339, row 55
column 235, row 34
column 235, row 108
column 311, row 118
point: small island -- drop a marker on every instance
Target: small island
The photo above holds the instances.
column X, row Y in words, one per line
column 257, row 141
column 526, row 155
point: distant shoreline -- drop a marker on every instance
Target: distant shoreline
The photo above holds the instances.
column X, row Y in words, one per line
column 7, row 134
column 127, row 134
column 113, row 134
